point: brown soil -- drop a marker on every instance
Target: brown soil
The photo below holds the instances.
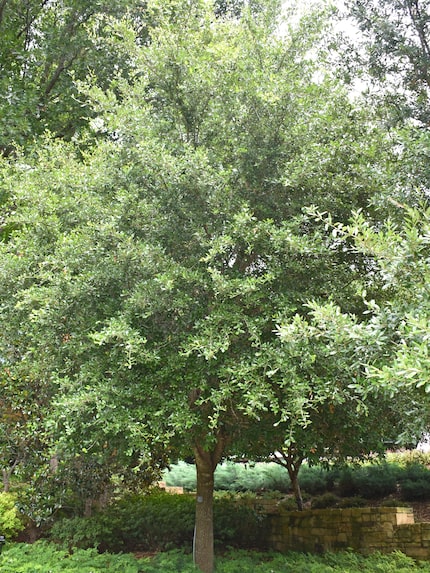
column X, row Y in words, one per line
column 421, row 510
column 144, row 554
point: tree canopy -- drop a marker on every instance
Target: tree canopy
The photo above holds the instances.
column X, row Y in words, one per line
column 165, row 278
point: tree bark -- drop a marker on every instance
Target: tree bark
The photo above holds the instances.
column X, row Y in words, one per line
column 6, row 480
column 296, row 489
column 7, row 473
column 206, row 463
column 292, row 460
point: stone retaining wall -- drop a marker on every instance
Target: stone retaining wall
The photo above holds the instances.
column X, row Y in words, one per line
column 366, row 530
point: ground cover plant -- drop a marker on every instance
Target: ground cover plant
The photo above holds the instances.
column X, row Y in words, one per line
column 47, row 557
column 43, row 557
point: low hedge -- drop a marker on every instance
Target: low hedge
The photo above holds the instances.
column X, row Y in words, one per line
column 159, row 521
column 414, row 482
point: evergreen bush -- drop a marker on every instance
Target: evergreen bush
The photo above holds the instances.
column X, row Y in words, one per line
column 231, row 476
column 159, row 521
column 315, row 480
column 324, row 501
column 347, row 486
column 414, row 482
column 369, row 481
column 354, row 501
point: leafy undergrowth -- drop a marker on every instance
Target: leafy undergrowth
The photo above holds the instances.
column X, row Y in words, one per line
column 43, row 557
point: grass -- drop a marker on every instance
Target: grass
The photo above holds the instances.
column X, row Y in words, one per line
column 43, row 557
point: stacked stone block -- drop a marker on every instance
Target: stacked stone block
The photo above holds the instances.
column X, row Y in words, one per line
column 365, row 530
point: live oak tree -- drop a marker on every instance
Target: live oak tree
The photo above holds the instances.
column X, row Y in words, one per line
column 144, row 275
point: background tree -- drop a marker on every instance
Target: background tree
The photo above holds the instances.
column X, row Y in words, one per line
column 395, row 325
column 393, row 49
column 402, row 255
column 346, row 426
column 46, row 48
column 391, row 55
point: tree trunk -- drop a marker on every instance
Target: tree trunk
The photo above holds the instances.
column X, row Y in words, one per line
column 296, row 489
column 7, row 474
column 292, row 460
column 206, row 463
column 6, row 480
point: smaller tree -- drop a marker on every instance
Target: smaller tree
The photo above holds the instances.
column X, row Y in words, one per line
column 328, row 348
column 402, row 265
column 391, row 337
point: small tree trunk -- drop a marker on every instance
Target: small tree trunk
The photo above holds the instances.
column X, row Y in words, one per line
column 6, row 480
column 296, row 489
column 292, row 460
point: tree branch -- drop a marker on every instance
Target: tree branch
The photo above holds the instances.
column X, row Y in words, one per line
column 418, row 22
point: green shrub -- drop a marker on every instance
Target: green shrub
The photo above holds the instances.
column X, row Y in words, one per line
column 347, row 486
column 231, row 476
column 275, row 477
column 415, row 490
column 354, row 501
column 237, row 525
column 10, row 522
column 324, row 501
column 43, row 557
column 159, row 521
column 414, row 482
column 315, row 480
column 374, row 481
column 138, row 522
column 181, row 475
column 394, row 503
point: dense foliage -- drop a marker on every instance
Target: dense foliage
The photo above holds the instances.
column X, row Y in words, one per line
column 158, row 522
column 179, row 274
column 42, row 556
column 10, row 520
